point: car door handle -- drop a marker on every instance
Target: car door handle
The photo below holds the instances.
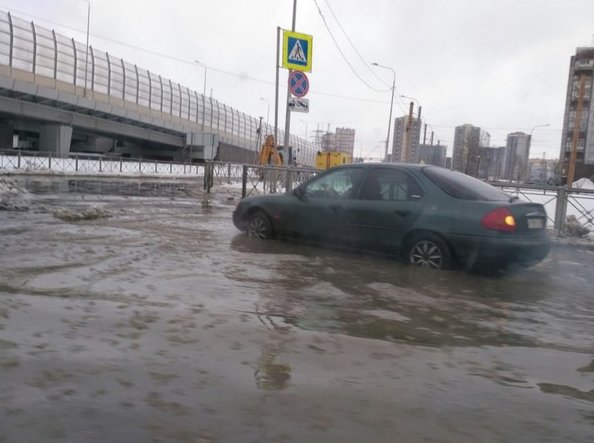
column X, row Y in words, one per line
column 335, row 208
column 402, row 213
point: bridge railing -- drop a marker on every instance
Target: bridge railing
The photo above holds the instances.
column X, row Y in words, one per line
column 35, row 54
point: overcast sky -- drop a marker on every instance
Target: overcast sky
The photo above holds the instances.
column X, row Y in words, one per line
column 498, row 64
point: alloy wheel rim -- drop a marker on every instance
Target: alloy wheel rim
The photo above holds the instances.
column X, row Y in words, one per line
column 426, row 254
column 258, row 228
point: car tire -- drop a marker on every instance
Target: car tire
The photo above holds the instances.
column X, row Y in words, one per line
column 259, row 226
column 429, row 251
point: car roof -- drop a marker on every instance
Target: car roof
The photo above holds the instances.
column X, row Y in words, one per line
column 384, row 165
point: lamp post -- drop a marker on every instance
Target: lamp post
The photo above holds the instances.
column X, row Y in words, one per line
column 415, row 100
column 538, row 126
column 267, row 110
column 410, row 129
column 87, row 47
column 205, row 68
column 391, row 107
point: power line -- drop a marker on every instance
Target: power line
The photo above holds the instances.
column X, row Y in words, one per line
column 365, row 63
column 243, row 76
column 342, row 53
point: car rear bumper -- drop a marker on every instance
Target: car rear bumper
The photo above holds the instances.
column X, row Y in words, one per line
column 500, row 251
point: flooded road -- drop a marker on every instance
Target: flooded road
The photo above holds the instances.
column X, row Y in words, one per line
column 160, row 322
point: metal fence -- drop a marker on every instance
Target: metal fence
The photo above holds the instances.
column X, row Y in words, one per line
column 88, row 164
column 559, row 202
column 254, row 179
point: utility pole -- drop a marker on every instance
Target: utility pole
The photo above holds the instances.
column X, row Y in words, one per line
column 391, row 108
column 576, row 131
column 288, row 110
column 425, row 134
column 407, row 153
column 278, row 38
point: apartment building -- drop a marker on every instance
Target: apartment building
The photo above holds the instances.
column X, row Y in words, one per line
column 578, row 105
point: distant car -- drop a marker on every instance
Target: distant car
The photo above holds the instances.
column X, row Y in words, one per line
column 427, row 215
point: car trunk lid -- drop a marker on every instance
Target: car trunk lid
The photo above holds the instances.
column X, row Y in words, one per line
column 530, row 217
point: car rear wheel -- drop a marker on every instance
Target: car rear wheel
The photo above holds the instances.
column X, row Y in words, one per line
column 429, row 251
column 259, row 226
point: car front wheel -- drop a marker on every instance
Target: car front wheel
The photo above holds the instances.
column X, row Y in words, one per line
column 429, row 251
column 259, row 226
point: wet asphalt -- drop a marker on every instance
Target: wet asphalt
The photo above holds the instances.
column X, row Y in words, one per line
column 159, row 322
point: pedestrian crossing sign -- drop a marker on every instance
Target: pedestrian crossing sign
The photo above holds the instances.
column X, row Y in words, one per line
column 297, row 51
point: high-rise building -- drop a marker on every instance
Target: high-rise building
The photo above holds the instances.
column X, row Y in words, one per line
column 517, row 151
column 467, row 141
column 343, row 140
column 579, row 98
column 484, row 163
column 404, row 150
column 431, row 155
column 327, row 141
column 502, row 173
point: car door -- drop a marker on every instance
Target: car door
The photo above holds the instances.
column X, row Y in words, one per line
column 319, row 214
column 388, row 204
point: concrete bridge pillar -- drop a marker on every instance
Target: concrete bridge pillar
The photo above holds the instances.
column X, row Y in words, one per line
column 55, row 139
column 6, row 135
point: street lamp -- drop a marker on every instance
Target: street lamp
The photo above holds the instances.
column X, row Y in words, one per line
column 87, row 48
column 203, row 65
column 411, row 126
column 538, row 126
column 412, row 98
column 268, row 110
column 391, row 107
column 417, row 102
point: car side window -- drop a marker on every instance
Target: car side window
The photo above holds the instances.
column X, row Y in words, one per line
column 390, row 185
column 335, row 184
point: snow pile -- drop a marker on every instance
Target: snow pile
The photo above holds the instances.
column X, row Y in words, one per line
column 574, row 228
column 12, row 196
column 583, row 183
column 87, row 214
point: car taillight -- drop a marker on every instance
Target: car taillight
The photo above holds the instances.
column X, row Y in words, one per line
column 500, row 219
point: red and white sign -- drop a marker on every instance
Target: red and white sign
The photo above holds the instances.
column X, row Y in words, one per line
column 298, row 84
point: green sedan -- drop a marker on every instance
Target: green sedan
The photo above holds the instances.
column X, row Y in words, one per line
column 427, row 215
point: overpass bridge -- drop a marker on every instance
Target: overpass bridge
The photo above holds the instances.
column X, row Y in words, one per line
column 57, row 95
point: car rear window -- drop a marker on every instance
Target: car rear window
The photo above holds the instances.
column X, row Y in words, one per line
column 462, row 186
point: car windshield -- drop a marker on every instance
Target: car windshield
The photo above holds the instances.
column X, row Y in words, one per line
column 462, row 186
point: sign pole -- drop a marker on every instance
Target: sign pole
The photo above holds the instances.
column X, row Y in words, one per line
column 286, row 159
column 278, row 33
